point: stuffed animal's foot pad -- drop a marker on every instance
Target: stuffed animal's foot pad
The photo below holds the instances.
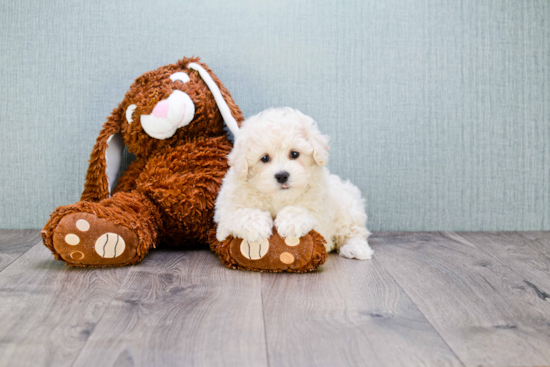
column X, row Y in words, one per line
column 85, row 239
column 274, row 255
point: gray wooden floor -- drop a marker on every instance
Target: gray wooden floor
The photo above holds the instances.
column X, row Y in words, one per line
column 426, row 299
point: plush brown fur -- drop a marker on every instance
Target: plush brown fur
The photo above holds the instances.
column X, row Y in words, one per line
column 167, row 194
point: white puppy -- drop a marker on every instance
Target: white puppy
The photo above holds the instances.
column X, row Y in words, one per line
column 278, row 177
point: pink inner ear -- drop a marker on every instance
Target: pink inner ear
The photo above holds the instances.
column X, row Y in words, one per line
column 161, row 109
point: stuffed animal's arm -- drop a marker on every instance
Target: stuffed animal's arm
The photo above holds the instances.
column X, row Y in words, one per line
column 127, row 181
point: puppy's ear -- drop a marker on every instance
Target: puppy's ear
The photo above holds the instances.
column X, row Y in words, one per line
column 318, row 141
column 237, row 157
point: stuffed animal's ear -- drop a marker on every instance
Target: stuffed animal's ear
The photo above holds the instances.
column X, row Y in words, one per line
column 235, row 110
column 231, row 113
column 237, row 157
column 104, row 160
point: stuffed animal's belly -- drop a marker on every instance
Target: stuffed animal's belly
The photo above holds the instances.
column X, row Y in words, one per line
column 183, row 182
column 181, row 230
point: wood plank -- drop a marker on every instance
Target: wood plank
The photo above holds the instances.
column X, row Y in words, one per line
column 14, row 243
column 539, row 241
column 481, row 307
column 181, row 308
column 349, row 313
column 530, row 258
column 48, row 310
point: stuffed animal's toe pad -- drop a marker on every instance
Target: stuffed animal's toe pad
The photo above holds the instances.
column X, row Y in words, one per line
column 85, row 239
column 292, row 241
column 254, row 250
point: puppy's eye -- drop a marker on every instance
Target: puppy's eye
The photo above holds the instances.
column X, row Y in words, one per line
column 129, row 112
column 265, row 158
column 182, row 77
column 294, row 155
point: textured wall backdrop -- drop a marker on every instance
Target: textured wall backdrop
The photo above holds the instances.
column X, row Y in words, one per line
column 438, row 110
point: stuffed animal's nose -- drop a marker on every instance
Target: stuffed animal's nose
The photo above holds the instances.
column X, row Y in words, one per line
column 169, row 115
column 161, row 109
column 282, row 177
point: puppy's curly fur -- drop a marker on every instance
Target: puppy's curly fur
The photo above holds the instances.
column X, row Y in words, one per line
column 278, row 176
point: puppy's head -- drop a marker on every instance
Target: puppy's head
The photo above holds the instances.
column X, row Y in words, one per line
column 279, row 151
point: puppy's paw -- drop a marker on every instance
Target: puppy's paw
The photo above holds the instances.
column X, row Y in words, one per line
column 252, row 225
column 294, row 222
column 356, row 248
column 222, row 232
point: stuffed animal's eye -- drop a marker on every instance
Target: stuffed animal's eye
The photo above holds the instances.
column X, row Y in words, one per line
column 129, row 112
column 265, row 158
column 181, row 76
column 294, row 155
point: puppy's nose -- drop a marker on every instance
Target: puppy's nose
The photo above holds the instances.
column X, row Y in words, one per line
column 282, row 177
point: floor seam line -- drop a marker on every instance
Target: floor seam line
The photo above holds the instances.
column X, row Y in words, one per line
column 422, row 313
column 132, row 267
column 20, row 256
column 263, row 317
column 509, row 266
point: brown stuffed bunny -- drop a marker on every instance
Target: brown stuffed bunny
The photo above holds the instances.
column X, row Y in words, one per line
column 172, row 119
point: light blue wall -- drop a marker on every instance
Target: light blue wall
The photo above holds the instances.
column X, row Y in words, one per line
column 438, row 110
